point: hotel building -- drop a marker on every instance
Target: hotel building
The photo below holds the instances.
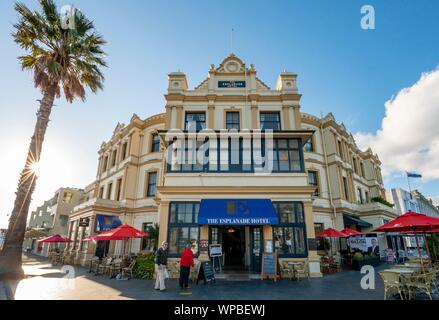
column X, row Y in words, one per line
column 318, row 177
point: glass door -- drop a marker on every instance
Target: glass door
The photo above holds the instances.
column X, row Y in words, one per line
column 256, row 248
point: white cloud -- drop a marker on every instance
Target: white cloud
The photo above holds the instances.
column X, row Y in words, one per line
column 435, row 200
column 409, row 136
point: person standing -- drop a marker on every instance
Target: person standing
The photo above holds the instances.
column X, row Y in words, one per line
column 186, row 262
column 161, row 260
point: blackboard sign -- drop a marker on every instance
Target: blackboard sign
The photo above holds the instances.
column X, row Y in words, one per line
column 216, row 250
column 269, row 265
column 206, row 272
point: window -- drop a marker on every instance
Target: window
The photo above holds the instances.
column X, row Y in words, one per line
column 234, row 155
column 360, row 195
column 152, row 184
column 362, row 170
column 67, row 197
column 340, row 149
column 270, row 120
column 101, row 193
column 155, row 146
column 354, row 161
column 309, row 146
column 105, row 164
column 289, row 236
column 195, row 121
column 313, row 181
column 118, row 189
column 113, row 159
column 232, row 120
column 183, row 227
column 63, row 219
column 319, row 227
column 124, row 151
column 287, row 155
column 345, row 187
column 110, row 186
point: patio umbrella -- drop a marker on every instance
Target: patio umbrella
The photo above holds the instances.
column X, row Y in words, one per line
column 331, row 233
column 351, row 232
column 411, row 222
column 123, row 232
column 56, row 238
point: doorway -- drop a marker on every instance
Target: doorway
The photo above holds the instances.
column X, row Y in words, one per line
column 233, row 241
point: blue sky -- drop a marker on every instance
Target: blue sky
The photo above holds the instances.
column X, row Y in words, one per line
column 341, row 69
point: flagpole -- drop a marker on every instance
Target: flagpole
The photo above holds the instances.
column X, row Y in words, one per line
column 408, row 180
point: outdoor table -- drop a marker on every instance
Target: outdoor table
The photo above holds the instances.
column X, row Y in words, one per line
column 401, row 270
column 293, row 264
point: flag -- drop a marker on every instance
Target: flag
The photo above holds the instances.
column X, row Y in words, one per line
column 413, row 175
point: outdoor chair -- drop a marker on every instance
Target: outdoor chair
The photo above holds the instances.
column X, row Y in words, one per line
column 100, row 269
column 129, row 269
column 420, row 283
column 92, row 264
column 402, row 256
column 287, row 270
column 392, row 282
column 115, row 268
column 302, row 269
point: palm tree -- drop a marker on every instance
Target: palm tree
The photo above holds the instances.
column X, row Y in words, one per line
column 61, row 59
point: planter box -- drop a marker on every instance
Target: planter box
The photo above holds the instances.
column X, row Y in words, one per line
column 358, row 264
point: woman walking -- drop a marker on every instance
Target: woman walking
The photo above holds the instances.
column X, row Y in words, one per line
column 161, row 260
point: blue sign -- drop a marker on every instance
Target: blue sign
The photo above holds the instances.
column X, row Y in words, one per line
column 237, row 212
column 231, row 84
column 106, row 222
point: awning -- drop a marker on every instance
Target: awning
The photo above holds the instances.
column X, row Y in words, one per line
column 106, row 222
column 350, row 220
column 237, row 212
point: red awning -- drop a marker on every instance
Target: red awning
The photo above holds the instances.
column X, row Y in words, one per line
column 410, row 222
column 331, row 233
column 351, row 232
column 120, row 233
column 55, row 239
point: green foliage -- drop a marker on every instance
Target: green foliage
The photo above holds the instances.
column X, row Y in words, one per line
column 382, row 200
column 433, row 246
column 144, row 268
column 358, row 256
column 153, row 231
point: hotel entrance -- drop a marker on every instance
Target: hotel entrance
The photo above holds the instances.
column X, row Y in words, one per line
column 241, row 247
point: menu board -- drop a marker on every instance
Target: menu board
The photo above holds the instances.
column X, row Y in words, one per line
column 269, row 265
column 205, row 272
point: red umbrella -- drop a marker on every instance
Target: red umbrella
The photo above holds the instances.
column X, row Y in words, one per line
column 351, row 232
column 120, row 233
column 331, row 233
column 56, row 238
column 410, row 221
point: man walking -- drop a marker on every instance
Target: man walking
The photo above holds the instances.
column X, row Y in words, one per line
column 186, row 262
column 161, row 260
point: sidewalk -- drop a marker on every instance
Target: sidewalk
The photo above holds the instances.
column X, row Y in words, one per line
column 46, row 282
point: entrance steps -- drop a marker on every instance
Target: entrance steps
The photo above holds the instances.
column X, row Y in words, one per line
column 237, row 276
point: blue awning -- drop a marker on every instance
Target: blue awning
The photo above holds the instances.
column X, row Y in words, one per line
column 237, row 212
column 106, row 222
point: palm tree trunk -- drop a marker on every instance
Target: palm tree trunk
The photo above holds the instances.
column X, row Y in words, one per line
column 10, row 256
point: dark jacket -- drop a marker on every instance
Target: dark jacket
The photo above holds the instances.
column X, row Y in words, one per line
column 161, row 256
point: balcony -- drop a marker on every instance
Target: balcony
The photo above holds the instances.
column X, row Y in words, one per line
column 97, row 202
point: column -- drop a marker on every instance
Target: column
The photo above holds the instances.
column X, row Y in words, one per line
column 286, row 118
column 211, row 116
column 254, row 112
column 297, row 117
column 163, row 221
column 313, row 258
column 168, row 117
column 179, row 124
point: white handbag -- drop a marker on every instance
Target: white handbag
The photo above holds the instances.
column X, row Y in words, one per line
column 165, row 273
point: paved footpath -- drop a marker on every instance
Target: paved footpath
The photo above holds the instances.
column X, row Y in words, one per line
column 45, row 281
